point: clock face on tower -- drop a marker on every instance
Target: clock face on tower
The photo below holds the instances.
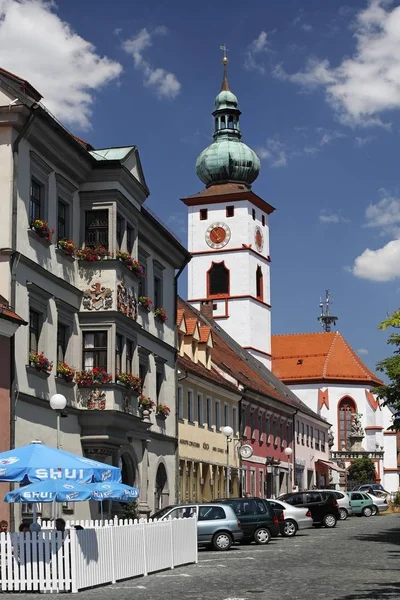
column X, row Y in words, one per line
column 218, row 235
column 259, row 238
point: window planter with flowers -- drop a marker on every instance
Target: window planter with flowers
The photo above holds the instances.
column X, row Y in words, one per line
column 162, row 411
column 65, row 372
column 92, row 378
column 130, row 381
column 131, row 263
column 93, row 253
column 40, row 362
column 145, row 405
column 42, row 229
column 145, row 303
column 160, row 314
column 67, row 247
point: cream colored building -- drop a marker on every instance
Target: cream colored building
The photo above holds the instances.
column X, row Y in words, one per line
column 206, row 401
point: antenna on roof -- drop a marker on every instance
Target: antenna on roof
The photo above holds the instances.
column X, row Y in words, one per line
column 326, row 319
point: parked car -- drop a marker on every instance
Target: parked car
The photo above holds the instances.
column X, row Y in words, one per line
column 294, row 518
column 344, row 503
column 366, row 487
column 361, row 504
column 323, row 506
column 258, row 520
column 216, row 525
column 379, row 503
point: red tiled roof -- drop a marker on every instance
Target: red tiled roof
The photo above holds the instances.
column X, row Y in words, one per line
column 185, row 363
column 190, row 325
column 25, row 86
column 227, row 191
column 318, row 357
column 8, row 314
column 204, row 333
column 179, row 316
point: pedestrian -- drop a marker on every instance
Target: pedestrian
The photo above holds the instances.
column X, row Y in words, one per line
column 3, row 526
column 24, row 528
column 60, row 524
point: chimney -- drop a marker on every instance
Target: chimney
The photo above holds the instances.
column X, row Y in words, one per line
column 206, row 309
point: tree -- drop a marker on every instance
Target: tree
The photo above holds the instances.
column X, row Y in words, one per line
column 362, row 470
column 390, row 394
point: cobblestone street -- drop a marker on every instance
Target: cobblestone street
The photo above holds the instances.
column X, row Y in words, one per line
column 358, row 560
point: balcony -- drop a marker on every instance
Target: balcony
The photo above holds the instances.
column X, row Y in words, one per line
column 348, row 455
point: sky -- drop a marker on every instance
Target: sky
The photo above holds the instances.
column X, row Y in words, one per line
column 319, row 88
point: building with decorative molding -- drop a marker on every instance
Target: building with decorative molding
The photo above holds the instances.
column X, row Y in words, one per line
column 93, row 272
column 330, row 378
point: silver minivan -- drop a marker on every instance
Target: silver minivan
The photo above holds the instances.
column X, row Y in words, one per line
column 344, row 502
column 217, row 525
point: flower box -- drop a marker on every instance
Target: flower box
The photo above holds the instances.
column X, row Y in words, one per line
column 162, row 411
column 67, row 247
column 93, row 253
column 145, row 403
column 145, row 303
column 131, row 263
column 65, row 372
column 42, row 229
column 91, row 378
column 130, row 381
column 160, row 314
column 40, row 362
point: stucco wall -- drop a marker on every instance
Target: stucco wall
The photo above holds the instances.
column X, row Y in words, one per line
column 4, row 415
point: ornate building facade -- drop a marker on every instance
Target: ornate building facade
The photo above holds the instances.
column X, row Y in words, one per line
column 94, row 275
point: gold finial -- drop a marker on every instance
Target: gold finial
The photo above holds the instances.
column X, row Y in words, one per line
column 225, row 50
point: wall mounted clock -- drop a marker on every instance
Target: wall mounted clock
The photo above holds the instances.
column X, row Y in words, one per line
column 246, row 451
column 259, row 238
column 218, row 235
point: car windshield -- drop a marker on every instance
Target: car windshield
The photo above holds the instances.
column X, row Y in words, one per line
column 159, row 514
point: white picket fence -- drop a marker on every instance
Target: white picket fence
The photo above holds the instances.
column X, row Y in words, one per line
column 50, row 561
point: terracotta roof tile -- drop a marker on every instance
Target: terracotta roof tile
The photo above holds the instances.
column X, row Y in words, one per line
column 179, row 316
column 318, row 357
column 204, row 333
column 190, row 325
column 212, row 375
column 8, row 314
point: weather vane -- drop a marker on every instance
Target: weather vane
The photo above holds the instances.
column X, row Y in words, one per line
column 224, row 50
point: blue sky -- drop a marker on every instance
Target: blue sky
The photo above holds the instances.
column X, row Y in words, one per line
column 319, row 89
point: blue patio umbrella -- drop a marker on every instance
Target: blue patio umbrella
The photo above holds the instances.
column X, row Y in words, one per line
column 38, row 462
column 51, row 490
column 113, row 491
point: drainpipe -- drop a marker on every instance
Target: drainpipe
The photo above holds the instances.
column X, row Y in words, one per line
column 15, row 256
column 294, row 448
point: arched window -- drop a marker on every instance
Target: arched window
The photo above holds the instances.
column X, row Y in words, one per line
column 230, row 121
column 259, row 284
column 218, row 280
column 222, row 122
column 346, row 409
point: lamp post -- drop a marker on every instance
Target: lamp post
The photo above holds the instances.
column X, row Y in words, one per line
column 288, row 451
column 58, row 402
column 228, row 433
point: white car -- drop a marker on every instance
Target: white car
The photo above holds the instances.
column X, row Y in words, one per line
column 295, row 518
column 344, row 502
column 380, row 503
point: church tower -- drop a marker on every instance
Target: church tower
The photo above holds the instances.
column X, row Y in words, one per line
column 229, row 236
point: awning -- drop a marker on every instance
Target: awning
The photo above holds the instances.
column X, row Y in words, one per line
column 332, row 465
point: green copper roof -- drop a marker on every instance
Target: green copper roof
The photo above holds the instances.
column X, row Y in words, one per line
column 227, row 158
column 112, row 153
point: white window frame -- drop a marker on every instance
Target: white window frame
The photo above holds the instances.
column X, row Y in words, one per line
column 209, row 412
column 235, row 424
column 227, row 420
column 190, row 406
column 217, row 412
column 200, row 409
column 180, row 402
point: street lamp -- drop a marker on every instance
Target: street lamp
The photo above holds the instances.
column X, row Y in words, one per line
column 228, row 433
column 58, row 402
column 288, row 451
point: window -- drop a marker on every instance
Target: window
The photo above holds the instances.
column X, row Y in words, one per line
column 260, row 505
column 95, row 350
column 158, row 291
column 96, row 228
column 253, row 214
column 281, row 434
column 62, row 221
column 259, row 284
column 209, row 413
column 226, row 415
column 159, row 382
column 312, row 437
column 298, row 432
column 356, row 496
column 62, row 341
column 217, row 415
column 346, row 409
column 36, row 200
column 200, row 416
column 312, row 497
column 142, row 258
column 118, row 353
column 253, row 484
column 190, row 407
column 302, row 433
column 211, row 513
column 218, row 280
column 129, row 238
column 130, row 349
column 143, row 373
column 308, row 435
column 203, row 214
column 34, row 330
column 119, row 232
column 180, row 402
column 323, row 441
column 317, row 442
column 230, row 211
column 263, row 220
column 235, row 420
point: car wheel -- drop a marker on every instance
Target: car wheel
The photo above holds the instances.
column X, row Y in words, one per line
column 374, row 510
column 329, row 521
column 367, row 511
column 343, row 514
column 289, row 528
column 262, row 536
column 222, row 541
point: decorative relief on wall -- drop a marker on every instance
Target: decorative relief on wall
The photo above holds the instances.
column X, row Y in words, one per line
column 126, row 300
column 97, row 297
column 96, row 400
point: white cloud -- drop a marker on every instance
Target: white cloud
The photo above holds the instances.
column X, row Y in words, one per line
column 165, row 84
column 362, row 141
column 327, row 216
column 367, row 83
column 256, row 48
column 363, row 351
column 379, row 265
column 306, row 27
column 275, row 152
column 385, row 213
column 37, row 45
